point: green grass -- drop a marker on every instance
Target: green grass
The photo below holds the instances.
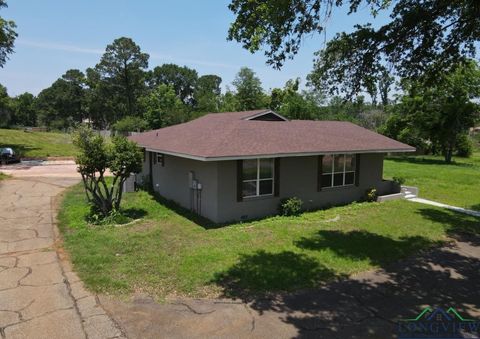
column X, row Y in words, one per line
column 166, row 255
column 37, row 144
column 3, row 176
column 456, row 184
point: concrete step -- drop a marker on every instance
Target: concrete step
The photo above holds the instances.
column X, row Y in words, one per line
column 410, row 196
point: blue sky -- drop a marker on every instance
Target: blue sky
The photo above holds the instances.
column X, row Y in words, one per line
column 57, row 35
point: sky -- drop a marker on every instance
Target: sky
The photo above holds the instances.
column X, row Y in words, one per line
column 57, row 35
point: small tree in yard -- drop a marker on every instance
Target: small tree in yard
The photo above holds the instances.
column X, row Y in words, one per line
column 121, row 157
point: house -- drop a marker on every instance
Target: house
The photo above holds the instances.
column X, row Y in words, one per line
column 239, row 165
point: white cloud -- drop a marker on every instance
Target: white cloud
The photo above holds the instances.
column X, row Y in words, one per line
column 153, row 55
column 59, row 47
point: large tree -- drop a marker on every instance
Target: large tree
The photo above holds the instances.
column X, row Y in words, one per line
column 249, row 92
column 439, row 114
column 5, row 109
column 7, row 36
column 183, row 80
column 290, row 103
column 419, row 35
column 23, row 108
column 63, row 103
column 102, row 108
column 207, row 93
column 122, row 68
column 162, row 107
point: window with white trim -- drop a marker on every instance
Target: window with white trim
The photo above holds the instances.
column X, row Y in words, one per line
column 338, row 170
column 257, row 177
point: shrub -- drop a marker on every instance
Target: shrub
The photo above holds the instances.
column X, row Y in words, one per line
column 130, row 124
column 464, row 146
column 371, row 195
column 398, row 180
column 122, row 157
column 291, row 206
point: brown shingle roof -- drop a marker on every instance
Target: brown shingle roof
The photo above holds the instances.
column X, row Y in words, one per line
column 219, row 136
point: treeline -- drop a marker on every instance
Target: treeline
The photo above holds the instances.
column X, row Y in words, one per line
column 122, row 93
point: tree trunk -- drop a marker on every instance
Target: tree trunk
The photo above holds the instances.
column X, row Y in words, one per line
column 448, row 155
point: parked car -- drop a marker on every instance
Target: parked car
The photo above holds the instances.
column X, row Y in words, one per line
column 8, row 155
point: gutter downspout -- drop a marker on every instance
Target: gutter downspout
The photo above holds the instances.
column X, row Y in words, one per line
column 150, row 159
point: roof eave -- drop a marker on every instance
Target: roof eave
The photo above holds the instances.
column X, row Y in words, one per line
column 275, row 155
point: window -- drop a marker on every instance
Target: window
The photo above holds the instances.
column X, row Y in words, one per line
column 338, row 170
column 160, row 159
column 257, row 177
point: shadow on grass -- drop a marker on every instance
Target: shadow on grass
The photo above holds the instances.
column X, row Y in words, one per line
column 209, row 224
column 186, row 213
column 262, row 272
column 426, row 161
column 456, row 223
column 133, row 212
column 364, row 306
column 360, row 245
column 124, row 216
column 475, row 207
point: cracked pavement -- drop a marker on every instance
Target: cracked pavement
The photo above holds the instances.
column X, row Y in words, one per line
column 40, row 295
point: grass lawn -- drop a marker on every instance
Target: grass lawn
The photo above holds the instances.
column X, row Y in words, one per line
column 37, row 144
column 165, row 254
column 456, row 184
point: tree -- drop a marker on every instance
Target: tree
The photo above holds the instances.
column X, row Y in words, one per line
column 5, row 108
column 99, row 99
column 420, row 34
column 24, row 112
column 439, row 113
column 182, row 79
column 207, row 93
column 130, row 124
column 122, row 69
column 249, row 90
column 162, row 107
column 63, row 104
column 7, row 36
column 122, row 157
column 228, row 102
column 290, row 103
column 385, row 81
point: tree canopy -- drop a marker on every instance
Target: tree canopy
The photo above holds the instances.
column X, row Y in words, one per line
column 438, row 115
column 122, row 69
column 7, row 36
column 249, row 90
column 422, row 38
column 183, row 80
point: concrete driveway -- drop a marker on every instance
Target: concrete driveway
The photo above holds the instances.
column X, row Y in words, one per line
column 40, row 296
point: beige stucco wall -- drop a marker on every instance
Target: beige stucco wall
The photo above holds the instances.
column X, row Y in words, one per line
column 298, row 177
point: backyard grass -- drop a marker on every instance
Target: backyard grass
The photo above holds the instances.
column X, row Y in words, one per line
column 166, row 255
column 456, row 184
column 37, row 144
